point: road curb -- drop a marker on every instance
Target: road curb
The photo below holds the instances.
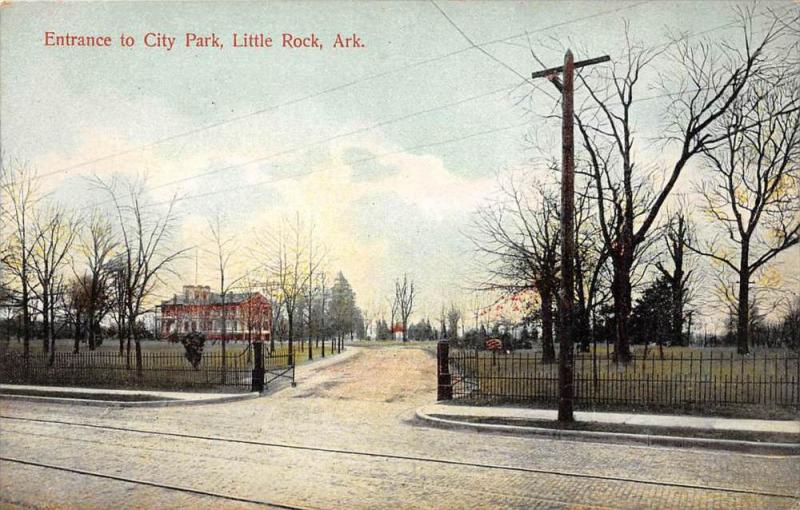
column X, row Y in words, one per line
column 112, row 403
column 616, row 437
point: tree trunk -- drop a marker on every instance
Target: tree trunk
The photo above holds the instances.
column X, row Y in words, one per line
column 122, row 328
column 26, row 317
column 677, row 316
column 581, row 312
column 743, row 312
column 128, row 335
column 224, row 333
column 91, row 332
column 290, row 318
column 224, row 362
column 76, row 348
column 310, row 343
column 622, row 306
column 138, row 356
column 548, row 350
column 45, row 322
column 50, row 333
column 677, row 287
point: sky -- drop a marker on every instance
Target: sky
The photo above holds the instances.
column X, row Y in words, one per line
column 388, row 148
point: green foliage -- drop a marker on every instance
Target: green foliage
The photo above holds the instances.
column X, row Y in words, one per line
column 650, row 320
column 193, row 345
column 421, row 331
column 382, row 331
column 344, row 316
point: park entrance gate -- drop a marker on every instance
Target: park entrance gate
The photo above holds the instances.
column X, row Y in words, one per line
column 271, row 366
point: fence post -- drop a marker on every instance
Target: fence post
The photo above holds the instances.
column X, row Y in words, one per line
column 445, row 388
column 294, row 383
column 257, row 378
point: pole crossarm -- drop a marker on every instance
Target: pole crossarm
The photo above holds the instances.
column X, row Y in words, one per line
column 566, row 360
column 582, row 63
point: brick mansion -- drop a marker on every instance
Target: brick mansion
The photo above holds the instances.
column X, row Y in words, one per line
column 247, row 315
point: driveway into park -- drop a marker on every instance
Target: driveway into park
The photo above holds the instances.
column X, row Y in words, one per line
column 346, row 438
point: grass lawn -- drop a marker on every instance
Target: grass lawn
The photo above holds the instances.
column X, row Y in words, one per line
column 164, row 365
column 111, row 346
column 685, row 378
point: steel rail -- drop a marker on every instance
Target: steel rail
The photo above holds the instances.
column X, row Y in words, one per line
column 159, row 485
column 553, row 472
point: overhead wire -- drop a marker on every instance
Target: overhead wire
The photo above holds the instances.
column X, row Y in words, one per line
column 329, row 90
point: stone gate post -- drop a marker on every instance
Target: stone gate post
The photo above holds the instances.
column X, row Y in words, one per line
column 257, row 379
column 445, row 387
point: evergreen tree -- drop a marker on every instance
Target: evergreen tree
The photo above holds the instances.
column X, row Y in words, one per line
column 651, row 320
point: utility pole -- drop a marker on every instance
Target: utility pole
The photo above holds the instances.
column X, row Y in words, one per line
column 566, row 355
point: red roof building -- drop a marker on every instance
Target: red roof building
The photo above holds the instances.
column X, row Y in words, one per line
column 247, row 315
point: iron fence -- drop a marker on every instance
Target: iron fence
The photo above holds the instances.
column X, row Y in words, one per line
column 678, row 380
column 158, row 370
column 279, row 365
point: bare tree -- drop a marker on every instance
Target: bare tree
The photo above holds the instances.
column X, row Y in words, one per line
column 145, row 235
column 404, row 294
column 96, row 244
column 75, row 305
column 453, row 318
column 224, row 247
column 751, row 191
column 323, row 297
column 255, row 313
column 591, row 259
column 55, row 233
column 272, row 293
column 394, row 310
column 520, row 238
column 283, row 249
column 443, row 324
column 19, row 194
column 678, row 236
column 628, row 196
column 314, row 261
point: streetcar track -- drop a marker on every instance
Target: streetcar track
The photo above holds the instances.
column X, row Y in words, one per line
column 592, row 506
column 159, row 485
column 570, row 474
column 483, row 491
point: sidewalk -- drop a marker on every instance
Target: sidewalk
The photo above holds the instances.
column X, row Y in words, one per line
column 114, row 397
column 104, row 397
column 777, row 436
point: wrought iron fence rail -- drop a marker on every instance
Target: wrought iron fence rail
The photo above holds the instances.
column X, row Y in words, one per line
column 157, row 370
column 674, row 381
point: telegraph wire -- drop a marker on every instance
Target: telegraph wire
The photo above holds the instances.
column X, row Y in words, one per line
column 315, row 143
column 370, row 78
column 329, row 90
column 273, row 155
column 388, row 121
column 348, row 164
column 473, row 45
